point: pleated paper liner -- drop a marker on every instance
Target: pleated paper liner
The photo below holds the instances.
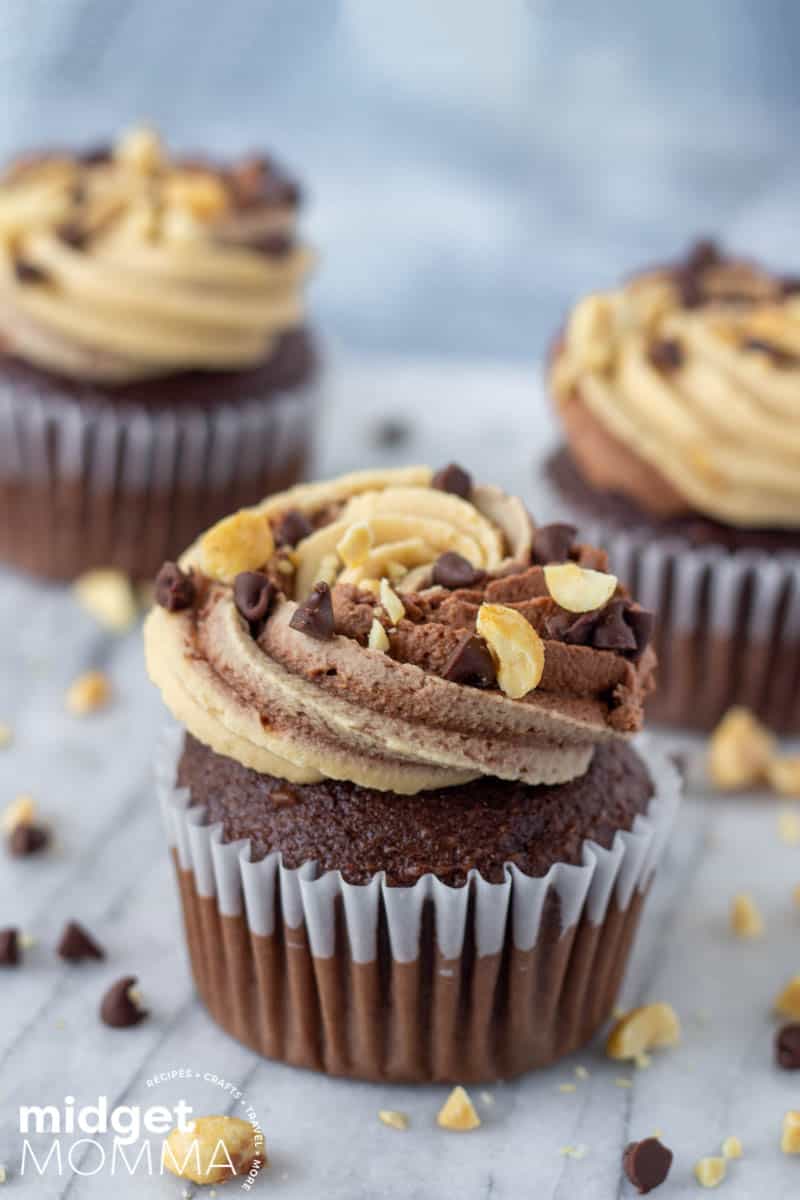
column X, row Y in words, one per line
column 421, row 983
column 98, row 485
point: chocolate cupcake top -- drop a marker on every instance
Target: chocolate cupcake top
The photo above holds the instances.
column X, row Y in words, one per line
column 121, row 264
column 681, row 390
column 401, row 630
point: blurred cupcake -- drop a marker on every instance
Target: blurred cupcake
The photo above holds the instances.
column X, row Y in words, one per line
column 411, row 833
column 679, row 397
column 155, row 368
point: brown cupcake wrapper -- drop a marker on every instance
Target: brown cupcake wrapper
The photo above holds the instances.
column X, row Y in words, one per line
column 429, row 982
column 727, row 626
column 98, row 485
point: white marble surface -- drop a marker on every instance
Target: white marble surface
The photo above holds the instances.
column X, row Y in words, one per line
column 91, row 778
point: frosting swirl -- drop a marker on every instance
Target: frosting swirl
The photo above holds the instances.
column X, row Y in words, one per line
column 374, row 698
column 681, row 390
column 124, row 265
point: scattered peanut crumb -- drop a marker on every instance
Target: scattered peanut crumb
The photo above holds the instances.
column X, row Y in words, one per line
column 709, row 1172
column 783, row 773
column 395, row 1120
column 648, row 1027
column 567, row 1087
column 746, row 920
column 739, row 751
column 732, row 1147
column 578, row 1152
column 581, row 1072
column 790, row 1135
column 106, row 594
column 458, row 1112
column 789, row 827
column 6, row 735
column 26, row 941
column 487, row 1098
column 194, row 1153
column 21, row 811
column 88, row 693
column 787, row 1002
column 3, row 1174
column 623, row 1082
column 642, row 1062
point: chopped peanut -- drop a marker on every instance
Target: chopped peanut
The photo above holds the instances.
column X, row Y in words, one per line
column 790, row 1134
column 395, row 1120
column 746, row 920
column 88, row 693
column 646, row 1028
column 516, row 647
column 241, row 542
column 739, row 751
column 213, row 1149
column 709, row 1172
column 579, row 589
column 458, row 1112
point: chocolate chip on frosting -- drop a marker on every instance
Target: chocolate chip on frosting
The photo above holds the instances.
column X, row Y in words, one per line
column 646, row 1164
column 618, row 627
column 452, row 571
column 119, row 1007
column 553, row 543
column 253, row 594
column 76, row 944
column 292, row 527
column 314, row 616
column 665, row 354
column 174, row 588
column 454, row 479
column 471, row 663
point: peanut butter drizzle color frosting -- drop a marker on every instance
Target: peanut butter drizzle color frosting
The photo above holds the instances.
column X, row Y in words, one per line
column 681, row 390
column 373, row 696
column 126, row 265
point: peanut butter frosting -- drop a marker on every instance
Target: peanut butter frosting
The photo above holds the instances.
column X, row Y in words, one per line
column 681, row 390
column 402, row 630
column 123, row 264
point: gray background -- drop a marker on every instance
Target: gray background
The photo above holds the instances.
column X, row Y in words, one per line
column 472, row 164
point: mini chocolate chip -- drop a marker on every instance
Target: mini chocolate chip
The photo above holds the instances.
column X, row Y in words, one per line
column 575, row 631
column 73, row 234
column 471, row 663
column 118, row 1009
column 646, row 1164
column 790, row 285
column 612, row 631
column 452, row 570
column 174, row 588
column 100, row 153
column 703, row 254
column 454, row 479
column 641, row 622
column 292, row 527
column 314, row 616
column 9, row 948
column 665, row 354
column 28, row 272
column 787, row 1047
column 253, row 594
column 76, row 943
column 776, row 354
column 26, row 839
column 552, row 543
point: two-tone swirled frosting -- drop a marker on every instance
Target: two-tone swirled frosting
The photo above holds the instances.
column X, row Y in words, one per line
column 122, row 264
column 681, row 391
column 410, row 569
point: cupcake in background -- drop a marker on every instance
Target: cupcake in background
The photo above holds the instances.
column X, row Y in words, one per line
column 412, row 833
column 155, row 365
column 679, row 398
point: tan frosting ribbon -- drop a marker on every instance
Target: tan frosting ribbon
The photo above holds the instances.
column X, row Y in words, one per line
column 303, row 708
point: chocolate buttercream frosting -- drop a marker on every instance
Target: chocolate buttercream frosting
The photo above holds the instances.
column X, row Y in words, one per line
column 126, row 265
column 680, row 391
column 376, row 702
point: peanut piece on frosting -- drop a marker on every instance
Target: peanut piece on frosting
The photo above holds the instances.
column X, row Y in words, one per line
column 746, row 920
column 650, row 1027
column 378, row 639
column 590, row 333
column 241, row 542
column 516, row 646
column 740, row 751
column 458, row 1112
column 88, row 693
column 395, row 610
column 709, row 1172
column 141, row 149
column 355, row 545
column 213, row 1149
column 783, row 773
column 579, row 589
column 787, row 1002
column 790, row 1134
column 392, row 1118
column 106, row 594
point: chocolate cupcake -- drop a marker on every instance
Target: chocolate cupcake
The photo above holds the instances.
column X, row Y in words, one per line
column 155, row 369
column 411, row 831
column 679, row 394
